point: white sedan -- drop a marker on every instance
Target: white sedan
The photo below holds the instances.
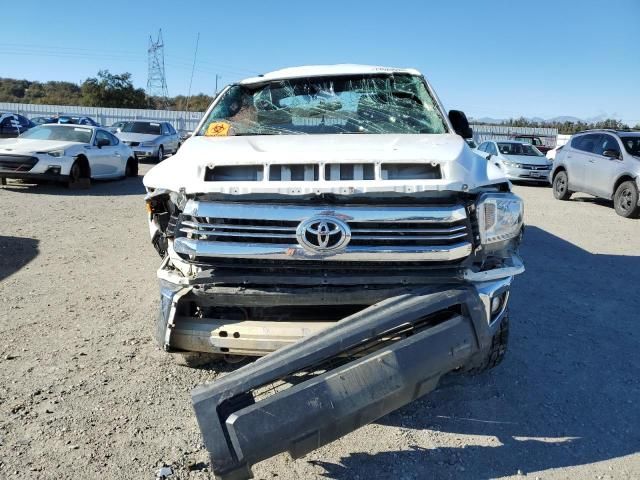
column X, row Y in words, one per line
column 517, row 160
column 72, row 154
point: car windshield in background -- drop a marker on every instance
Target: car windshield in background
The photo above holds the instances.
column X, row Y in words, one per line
column 631, row 144
column 150, row 128
column 56, row 132
column 373, row 104
column 519, row 149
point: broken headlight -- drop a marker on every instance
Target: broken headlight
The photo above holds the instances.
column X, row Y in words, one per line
column 500, row 217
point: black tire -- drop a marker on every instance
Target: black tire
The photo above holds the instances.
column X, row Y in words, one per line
column 195, row 359
column 131, row 170
column 561, row 186
column 496, row 352
column 625, row 200
column 77, row 178
column 160, row 153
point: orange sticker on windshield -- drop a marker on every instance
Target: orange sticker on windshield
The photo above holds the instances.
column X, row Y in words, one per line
column 218, row 129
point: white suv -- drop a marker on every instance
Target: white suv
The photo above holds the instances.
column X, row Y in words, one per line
column 603, row 163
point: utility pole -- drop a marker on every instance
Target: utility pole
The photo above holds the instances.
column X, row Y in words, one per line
column 217, row 77
column 156, row 80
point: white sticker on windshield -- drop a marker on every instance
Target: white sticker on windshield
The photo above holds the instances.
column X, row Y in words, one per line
column 84, row 130
column 155, row 124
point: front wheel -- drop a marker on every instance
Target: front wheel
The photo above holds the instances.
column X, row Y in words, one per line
column 496, row 352
column 625, row 200
column 77, row 179
column 131, row 170
column 160, row 153
column 561, row 186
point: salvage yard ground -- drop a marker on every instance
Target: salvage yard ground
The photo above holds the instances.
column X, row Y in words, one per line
column 85, row 393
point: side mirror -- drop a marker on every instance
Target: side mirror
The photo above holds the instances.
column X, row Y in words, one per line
column 103, row 142
column 614, row 154
column 460, row 123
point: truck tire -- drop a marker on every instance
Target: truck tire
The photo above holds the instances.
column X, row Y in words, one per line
column 195, row 359
column 625, row 200
column 496, row 352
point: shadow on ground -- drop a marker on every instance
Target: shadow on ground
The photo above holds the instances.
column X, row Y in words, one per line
column 567, row 393
column 127, row 186
column 15, row 253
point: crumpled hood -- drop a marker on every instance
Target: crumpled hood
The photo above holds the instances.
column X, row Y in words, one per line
column 137, row 137
column 462, row 169
column 528, row 159
column 29, row 146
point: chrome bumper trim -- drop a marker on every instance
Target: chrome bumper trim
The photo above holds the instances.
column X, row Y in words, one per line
column 198, row 248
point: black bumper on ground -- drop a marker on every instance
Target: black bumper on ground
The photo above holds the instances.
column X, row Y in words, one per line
column 360, row 369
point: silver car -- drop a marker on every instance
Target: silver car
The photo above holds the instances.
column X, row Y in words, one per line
column 150, row 139
column 517, row 160
column 603, row 163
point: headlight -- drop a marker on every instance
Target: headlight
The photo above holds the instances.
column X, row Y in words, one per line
column 511, row 164
column 500, row 217
column 56, row 153
column 147, row 144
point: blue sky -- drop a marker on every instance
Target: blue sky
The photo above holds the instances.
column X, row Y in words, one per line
column 489, row 58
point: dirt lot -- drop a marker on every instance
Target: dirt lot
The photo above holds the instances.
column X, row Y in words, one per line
column 84, row 392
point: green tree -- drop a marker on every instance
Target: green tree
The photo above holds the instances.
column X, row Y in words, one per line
column 112, row 90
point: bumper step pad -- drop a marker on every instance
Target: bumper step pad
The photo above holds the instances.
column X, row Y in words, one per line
column 416, row 338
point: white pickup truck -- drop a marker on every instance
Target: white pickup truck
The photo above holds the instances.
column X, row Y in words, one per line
column 333, row 220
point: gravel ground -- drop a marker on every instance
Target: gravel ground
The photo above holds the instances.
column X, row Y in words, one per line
column 85, row 393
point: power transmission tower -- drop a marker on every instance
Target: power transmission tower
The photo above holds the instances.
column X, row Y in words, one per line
column 157, row 81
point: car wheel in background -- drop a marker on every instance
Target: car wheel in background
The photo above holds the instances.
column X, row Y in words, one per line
column 625, row 200
column 561, row 186
column 79, row 175
column 131, row 170
column 160, row 153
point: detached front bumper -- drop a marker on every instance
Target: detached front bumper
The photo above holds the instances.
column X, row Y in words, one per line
column 328, row 384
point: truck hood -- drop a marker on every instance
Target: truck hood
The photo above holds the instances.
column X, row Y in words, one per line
column 29, row 146
column 462, row 169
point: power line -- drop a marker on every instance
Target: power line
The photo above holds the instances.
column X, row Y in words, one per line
column 195, row 54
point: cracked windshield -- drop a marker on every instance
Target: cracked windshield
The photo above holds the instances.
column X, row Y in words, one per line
column 376, row 104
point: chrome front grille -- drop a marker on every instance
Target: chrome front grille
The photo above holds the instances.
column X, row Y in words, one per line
column 390, row 233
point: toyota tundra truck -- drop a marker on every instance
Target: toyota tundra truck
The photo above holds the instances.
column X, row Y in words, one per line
column 333, row 222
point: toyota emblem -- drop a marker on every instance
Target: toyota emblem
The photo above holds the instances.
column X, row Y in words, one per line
column 323, row 234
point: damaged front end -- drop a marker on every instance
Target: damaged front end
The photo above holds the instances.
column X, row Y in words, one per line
column 345, row 337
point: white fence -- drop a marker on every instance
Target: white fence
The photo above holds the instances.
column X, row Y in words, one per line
column 482, row 133
column 106, row 116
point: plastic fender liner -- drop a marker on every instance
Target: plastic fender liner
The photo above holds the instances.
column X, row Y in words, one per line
column 239, row 431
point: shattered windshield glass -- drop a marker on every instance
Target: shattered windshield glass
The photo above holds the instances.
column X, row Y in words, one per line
column 373, row 104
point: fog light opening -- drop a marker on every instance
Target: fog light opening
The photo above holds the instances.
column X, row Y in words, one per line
column 497, row 303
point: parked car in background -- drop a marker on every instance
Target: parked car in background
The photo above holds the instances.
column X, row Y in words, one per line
column 517, row 160
column 534, row 140
column 12, row 125
column 117, row 126
column 150, row 139
column 72, row 154
column 551, row 154
column 77, row 120
column 603, row 163
column 43, row 120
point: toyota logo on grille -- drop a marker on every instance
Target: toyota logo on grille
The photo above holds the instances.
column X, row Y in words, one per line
column 323, row 234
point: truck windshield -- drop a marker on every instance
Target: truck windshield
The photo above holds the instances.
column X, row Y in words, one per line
column 365, row 104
